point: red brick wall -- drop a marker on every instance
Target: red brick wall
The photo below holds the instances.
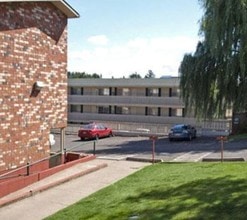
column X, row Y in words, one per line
column 33, row 47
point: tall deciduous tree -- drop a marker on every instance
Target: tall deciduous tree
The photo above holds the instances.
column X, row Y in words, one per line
column 214, row 78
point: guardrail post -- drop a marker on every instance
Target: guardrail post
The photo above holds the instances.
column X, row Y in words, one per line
column 28, row 168
column 63, row 155
column 222, row 139
column 153, row 138
column 62, row 142
column 94, row 147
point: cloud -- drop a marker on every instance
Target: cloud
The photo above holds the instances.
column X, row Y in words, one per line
column 161, row 55
column 98, row 40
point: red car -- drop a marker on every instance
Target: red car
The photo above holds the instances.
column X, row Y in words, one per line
column 94, row 131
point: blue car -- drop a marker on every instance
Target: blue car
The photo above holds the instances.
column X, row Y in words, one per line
column 182, row 132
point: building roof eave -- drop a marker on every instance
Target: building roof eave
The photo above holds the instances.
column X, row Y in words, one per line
column 66, row 9
column 62, row 5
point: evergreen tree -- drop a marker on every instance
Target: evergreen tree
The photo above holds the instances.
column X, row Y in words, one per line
column 150, row 74
column 78, row 75
column 135, row 75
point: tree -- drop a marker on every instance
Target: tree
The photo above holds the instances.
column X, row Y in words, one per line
column 78, row 75
column 217, row 71
column 150, row 74
column 135, row 75
column 197, row 87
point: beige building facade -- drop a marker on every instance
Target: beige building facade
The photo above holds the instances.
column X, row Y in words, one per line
column 126, row 100
column 132, row 104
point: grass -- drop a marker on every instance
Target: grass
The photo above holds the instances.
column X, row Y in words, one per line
column 238, row 136
column 169, row 191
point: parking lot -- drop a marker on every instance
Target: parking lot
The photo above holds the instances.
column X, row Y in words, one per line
column 120, row 148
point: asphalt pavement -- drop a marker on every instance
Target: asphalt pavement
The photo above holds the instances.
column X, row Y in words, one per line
column 120, row 147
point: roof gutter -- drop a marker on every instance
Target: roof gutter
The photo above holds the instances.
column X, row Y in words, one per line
column 62, row 5
column 66, row 9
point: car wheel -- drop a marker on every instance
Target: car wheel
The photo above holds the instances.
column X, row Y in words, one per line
column 190, row 137
column 110, row 134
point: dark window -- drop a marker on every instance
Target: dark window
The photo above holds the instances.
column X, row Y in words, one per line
column 104, row 91
column 152, row 111
column 170, row 112
column 152, row 92
column 76, row 108
column 76, row 91
column 170, row 92
column 103, row 110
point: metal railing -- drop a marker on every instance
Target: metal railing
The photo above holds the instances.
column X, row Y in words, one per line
column 71, row 150
column 26, row 168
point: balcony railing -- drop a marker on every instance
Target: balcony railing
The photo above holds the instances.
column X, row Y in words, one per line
column 174, row 102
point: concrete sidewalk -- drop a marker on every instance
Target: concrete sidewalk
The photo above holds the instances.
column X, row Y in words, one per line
column 56, row 192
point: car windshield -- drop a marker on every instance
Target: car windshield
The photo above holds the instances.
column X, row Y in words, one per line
column 178, row 128
column 88, row 127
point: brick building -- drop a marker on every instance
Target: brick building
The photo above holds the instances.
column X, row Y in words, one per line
column 33, row 79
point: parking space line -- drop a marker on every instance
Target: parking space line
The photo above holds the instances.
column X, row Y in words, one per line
column 115, row 157
column 182, row 157
column 191, row 156
column 201, row 157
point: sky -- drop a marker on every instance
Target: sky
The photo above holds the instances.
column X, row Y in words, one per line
column 116, row 38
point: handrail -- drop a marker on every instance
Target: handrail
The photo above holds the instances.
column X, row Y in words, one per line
column 5, row 175
column 79, row 146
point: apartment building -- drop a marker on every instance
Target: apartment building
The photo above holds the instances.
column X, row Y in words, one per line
column 143, row 101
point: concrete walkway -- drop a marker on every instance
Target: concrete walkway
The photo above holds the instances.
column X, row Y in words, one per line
column 54, row 193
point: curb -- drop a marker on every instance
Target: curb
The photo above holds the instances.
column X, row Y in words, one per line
column 50, row 185
column 232, row 159
column 146, row 160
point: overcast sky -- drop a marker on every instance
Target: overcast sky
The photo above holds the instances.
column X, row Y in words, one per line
column 116, row 38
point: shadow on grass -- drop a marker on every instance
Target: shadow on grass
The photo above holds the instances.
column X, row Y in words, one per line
column 223, row 198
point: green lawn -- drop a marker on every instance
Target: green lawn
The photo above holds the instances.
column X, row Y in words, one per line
column 170, row 191
column 238, row 137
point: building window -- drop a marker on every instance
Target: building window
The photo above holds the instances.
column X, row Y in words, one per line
column 118, row 110
column 125, row 110
column 176, row 112
column 76, row 91
column 114, row 91
column 170, row 112
column 174, row 92
column 152, row 92
column 122, row 110
column 125, row 92
column 104, row 110
column 179, row 112
column 152, row 111
column 76, row 108
column 104, row 91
